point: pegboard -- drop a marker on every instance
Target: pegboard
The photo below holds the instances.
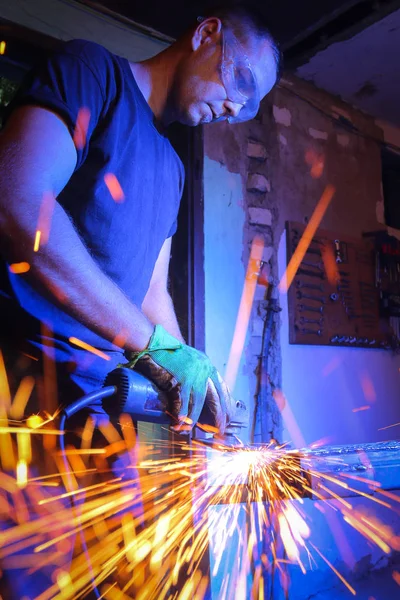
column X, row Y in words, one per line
column 334, row 297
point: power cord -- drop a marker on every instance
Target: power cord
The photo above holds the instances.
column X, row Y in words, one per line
column 67, row 412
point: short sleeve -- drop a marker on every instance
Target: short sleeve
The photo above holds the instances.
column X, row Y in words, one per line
column 173, row 229
column 69, row 83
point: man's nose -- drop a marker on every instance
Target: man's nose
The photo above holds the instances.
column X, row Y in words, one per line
column 232, row 109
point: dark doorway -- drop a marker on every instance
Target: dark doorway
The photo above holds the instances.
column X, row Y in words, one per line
column 187, row 260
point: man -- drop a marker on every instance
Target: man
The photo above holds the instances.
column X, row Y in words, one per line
column 89, row 195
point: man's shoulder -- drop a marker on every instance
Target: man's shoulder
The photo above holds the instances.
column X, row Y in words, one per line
column 89, row 52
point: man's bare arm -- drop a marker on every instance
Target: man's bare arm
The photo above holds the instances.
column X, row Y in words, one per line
column 157, row 304
column 38, row 157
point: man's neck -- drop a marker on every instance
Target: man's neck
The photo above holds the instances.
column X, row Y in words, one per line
column 154, row 78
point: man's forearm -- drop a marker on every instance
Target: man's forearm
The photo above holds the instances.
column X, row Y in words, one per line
column 159, row 309
column 64, row 270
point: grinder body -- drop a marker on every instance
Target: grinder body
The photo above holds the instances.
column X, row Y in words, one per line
column 140, row 398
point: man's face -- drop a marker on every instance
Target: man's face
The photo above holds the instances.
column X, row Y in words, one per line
column 205, row 89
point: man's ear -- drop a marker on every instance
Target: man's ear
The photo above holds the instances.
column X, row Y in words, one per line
column 208, row 30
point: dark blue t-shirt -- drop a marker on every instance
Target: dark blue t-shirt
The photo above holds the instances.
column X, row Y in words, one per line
column 120, row 153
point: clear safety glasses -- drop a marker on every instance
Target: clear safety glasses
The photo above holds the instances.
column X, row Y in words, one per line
column 238, row 78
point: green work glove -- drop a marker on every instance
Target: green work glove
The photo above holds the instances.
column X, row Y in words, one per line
column 197, row 393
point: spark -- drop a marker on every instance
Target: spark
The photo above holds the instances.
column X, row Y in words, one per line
column 3, row 46
column 330, row 264
column 114, row 187
column 388, row 426
column 88, row 347
column 368, row 387
column 22, row 473
column 36, row 244
column 81, row 128
column 5, row 395
column 361, row 408
column 34, row 421
column 245, row 307
column 19, row 268
column 21, row 397
column 306, row 239
column 317, row 163
column 158, row 552
column 45, row 216
column 349, row 587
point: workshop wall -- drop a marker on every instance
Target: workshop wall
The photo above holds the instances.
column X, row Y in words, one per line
column 278, row 167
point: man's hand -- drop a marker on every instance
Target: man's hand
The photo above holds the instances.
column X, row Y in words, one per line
column 197, row 392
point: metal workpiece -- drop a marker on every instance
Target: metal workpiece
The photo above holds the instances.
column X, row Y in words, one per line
column 377, row 465
column 317, row 474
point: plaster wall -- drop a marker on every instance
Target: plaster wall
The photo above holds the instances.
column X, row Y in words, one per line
column 66, row 20
column 323, row 386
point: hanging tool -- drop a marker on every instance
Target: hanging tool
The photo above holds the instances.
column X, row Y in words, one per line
column 311, row 331
column 311, row 286
column 315, row 265
column 300, row 295
column 303, row 321
column 305, row 308
column 311, row 273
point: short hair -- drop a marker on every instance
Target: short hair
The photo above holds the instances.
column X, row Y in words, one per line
column 245, row 22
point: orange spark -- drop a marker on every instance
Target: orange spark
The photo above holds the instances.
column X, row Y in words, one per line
column 81, row 128
column 50, row 392
column 306, row 238
column 37, row 241
column 120, row 338
column 368, row 387
column 330, row 264
column 246, row 304
column 24, row 447
column 396, row 577
column 18, row 268
column 5, row 395
column 34, row 421
column 88, row 347
column 3, row 46
column 349, row 587
column 331, row 366
column 21, row 397
column 22, row 473
column 45, row 217
column 289, row 419
column 114, row 187
column 317, row 163
column 389, row 426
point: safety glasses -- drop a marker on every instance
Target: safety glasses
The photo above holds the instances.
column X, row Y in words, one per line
column 238, row 78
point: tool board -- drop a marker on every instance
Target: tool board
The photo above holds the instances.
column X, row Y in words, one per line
column 334, row 297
